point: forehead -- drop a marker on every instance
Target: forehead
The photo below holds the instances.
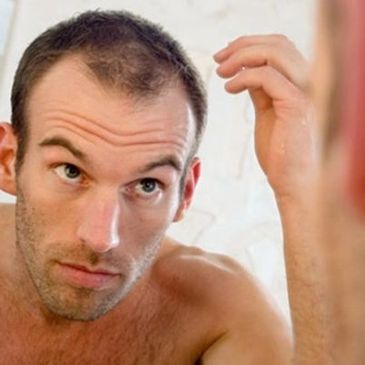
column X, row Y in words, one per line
column 71, row 77
column 68, row 96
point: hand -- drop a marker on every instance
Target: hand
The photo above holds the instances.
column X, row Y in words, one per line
column 275, row 74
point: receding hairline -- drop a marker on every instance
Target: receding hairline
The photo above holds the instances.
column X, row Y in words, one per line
column 139, row 52
column 77, row 62
column 80, row 63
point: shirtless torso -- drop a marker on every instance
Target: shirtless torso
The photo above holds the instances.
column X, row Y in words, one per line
column 190, row 308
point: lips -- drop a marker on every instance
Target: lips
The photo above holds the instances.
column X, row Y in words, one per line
column 82, row 276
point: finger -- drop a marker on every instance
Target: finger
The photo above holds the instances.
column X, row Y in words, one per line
column 272, row 82
column 246, row 41
column 260, row 99
column 288, row 61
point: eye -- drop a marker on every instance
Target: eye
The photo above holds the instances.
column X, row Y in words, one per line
column 68, row 172
column 148, row 187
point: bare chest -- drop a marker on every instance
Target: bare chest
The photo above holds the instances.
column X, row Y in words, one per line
column 86, row 350
column 151, row 338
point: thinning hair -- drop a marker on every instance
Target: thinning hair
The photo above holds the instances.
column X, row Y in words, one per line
column 124, row 52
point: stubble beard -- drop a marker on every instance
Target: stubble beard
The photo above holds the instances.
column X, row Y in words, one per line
column 77, row 304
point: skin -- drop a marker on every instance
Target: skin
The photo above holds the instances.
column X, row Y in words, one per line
column 287, row 150
column 110, row 201
column 336, row 336
column 339, row 221
column 88, row 275
column 311, row 300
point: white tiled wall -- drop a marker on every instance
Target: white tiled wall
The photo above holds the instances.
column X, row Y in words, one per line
column 234, row 211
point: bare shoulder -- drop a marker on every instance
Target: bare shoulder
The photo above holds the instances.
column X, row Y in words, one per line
column 206, row 271
column 216, row 279
column 248, row 323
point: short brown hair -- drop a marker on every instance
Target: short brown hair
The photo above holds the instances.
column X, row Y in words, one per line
column 122, row 50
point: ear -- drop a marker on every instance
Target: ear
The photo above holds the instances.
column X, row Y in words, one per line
column 191, row 180
column 8, row 148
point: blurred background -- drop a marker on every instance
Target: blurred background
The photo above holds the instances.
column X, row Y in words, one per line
column 234, row 211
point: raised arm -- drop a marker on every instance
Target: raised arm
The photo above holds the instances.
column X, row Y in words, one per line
column 275, row 74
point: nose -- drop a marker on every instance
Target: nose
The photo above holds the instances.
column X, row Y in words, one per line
column 99, row 225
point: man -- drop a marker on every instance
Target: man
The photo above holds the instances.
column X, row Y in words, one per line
column 107, row 114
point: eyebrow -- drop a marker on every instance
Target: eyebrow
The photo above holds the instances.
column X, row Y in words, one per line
column 168, row 160
column 65, row 143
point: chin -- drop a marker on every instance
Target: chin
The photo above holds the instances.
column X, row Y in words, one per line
column 82, row 304
column 87, row 308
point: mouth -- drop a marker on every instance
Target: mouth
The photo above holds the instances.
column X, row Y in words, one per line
column 85, row 277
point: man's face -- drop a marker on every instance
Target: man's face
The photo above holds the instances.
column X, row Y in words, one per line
column 98, row 188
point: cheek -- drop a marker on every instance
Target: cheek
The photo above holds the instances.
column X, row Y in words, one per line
column 143, row 229
column 50, row 219
column 30, row 228
column 33, row 184
column 157, row 214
